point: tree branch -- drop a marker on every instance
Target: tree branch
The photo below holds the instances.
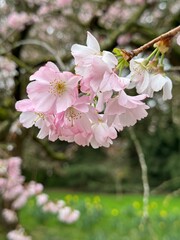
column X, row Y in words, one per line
column 146, row 188
column 45, row 46
column 60, row 156
column 166, row 36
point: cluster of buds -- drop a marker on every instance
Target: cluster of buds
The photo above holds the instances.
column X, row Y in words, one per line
column 90, row 106
column 14, row 193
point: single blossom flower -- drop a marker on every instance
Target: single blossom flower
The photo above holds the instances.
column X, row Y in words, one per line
column 52, row 91
column 74, row 124
column 147, row 80
column 91, row 63
column 102, row 134
column 41, row 199
column 124, row 111
column 68, row 215
column 28, row 118
column 9, row 215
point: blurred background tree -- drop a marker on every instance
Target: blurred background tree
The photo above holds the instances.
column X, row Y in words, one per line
column 46, row 31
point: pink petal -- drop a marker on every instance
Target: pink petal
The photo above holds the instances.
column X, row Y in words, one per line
column 24, row 105
column 44, row 74
column 52, row 66
column 63, row 102
column 45, row 102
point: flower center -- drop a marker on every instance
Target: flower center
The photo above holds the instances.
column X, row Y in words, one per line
column 39, row 116
column 72, row 115
column 57, row 87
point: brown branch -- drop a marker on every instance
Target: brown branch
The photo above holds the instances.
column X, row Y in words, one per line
column 166, row 36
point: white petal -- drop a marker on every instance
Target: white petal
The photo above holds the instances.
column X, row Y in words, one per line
column 157, row 82
column 27, row 119
column 92, row 42
column 110, row 59
column 81, row 50
column 167, row 90
column 145, row 83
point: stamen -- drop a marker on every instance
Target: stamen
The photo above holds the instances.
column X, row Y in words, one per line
column 57, row 87
column 39, row 116
column 72, row 115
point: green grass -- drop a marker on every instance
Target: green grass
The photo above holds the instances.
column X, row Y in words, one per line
column 105, row 217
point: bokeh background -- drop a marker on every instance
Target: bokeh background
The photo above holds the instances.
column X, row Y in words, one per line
column 111, row 204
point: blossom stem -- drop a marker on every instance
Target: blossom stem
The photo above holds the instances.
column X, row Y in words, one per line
column 151, row 55
column 162, row 59
column 157, row 54
column 166, row 36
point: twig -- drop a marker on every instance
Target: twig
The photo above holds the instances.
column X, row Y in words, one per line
column 163, row 186
column 166, row 36
column 60, row 156
column 44, row 45
column 176, row 68
column 146, row 188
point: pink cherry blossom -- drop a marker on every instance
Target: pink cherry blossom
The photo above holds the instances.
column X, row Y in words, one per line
column 52, row 91
column 68, row 215
column 91, row 63
column 124, row 110
column 63, row 3
column 41, row 199
column 20, row 201
column 17, row 20
column 28, row 118
column 50, row 207
column 111, row 81
column 74, row 124
column 9, row 215
column 102, row 134
column 34, row 188
column 18, row 234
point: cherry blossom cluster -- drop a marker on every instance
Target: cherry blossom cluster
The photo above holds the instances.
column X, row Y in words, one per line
column 14, row 193
column 7, row 73
column 90, row 106
column 19, row 20
column 18, row 234
column 64, row 213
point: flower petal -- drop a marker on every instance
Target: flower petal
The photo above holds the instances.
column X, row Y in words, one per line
column 92, row 42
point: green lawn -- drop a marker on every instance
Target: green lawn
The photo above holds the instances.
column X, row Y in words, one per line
column 106, row 217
